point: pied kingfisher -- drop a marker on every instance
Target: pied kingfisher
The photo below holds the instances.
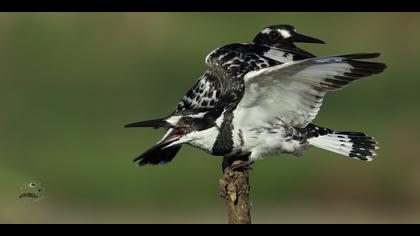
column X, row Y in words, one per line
column 260, row 99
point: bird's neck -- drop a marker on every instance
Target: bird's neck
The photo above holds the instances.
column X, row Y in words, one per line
column 205, row 139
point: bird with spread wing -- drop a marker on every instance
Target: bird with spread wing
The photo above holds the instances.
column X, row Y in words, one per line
column 260, row 99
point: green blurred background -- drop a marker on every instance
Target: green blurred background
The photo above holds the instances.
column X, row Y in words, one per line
column 70, row 81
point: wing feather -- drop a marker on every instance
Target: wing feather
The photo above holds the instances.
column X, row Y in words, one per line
column 294, row 91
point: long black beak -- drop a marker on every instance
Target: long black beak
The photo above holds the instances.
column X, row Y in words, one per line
column 300, row 38
column 158, row 123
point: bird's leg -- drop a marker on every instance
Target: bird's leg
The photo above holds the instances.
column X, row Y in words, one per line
column 242, row 165
column 227, row 162
column 236, row 163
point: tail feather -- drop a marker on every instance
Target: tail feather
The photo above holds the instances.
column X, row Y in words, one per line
column 352, row 144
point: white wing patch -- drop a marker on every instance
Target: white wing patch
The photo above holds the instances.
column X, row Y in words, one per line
column 280, row 56
column 294, row 91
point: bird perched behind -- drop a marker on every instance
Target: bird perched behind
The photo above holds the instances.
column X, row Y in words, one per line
column 256, row 100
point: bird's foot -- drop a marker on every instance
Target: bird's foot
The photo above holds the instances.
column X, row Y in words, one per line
column 242, row 166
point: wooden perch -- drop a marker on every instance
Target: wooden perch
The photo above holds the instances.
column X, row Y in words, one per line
column 234, row 190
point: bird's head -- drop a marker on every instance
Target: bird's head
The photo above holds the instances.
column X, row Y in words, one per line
column 282, row 36
column 196, row 127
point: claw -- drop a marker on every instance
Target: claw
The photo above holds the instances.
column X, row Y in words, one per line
column 229, row 163
column 242, row 166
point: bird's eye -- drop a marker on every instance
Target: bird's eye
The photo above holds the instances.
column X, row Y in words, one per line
column 33, row 185
column 273, row 35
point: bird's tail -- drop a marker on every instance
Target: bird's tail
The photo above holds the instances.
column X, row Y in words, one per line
column 352, row 144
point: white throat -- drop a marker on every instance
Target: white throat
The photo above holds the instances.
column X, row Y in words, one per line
column 204, row 139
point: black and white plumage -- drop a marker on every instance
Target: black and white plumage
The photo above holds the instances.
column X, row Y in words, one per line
column 284, row 36
column 353, row 144
column 275, row 113
column 224, row 78
column 257, row 100
column 226, row 68
column 288, row 97
column 227, row 64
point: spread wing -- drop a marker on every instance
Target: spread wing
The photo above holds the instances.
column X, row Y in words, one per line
column 294, row 91
column 223, row 81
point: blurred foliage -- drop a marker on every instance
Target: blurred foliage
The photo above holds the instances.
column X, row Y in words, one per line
column 70, row 81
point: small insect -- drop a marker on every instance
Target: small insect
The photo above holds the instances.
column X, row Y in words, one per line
column 32, row 191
